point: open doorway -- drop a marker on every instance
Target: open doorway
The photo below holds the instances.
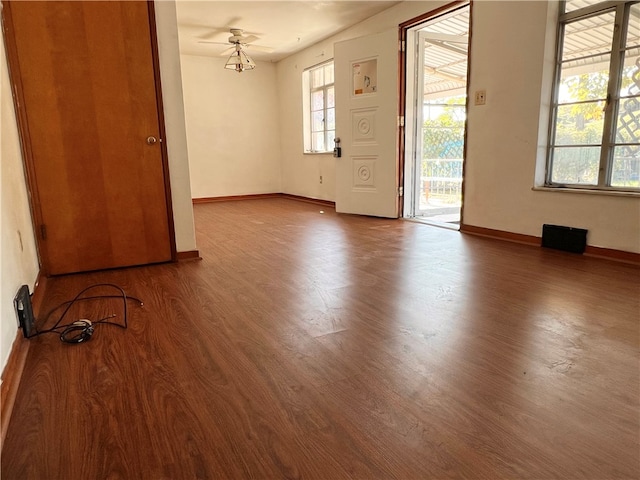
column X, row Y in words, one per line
column 436, row 106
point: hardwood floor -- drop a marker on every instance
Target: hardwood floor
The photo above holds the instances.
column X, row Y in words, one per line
column 315, row 345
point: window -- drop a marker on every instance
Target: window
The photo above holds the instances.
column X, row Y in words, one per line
column 319, row 109
column 595, row 127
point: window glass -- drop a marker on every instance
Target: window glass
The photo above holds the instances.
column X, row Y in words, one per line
column 577, row 165
column 595, row 134
column 317, row 78
column 626, row 150
column 571, row 5
column 328, row 74
column 317, row 100
column 626, row 166
column 578, row 87
column 317, row 122
column 628, row 121
column 331, row 118
column 318, row 142
column 580, row 124
column 319, row 109
column 633, row 29
column 331, row 135
column 588, row 37
column 331, row 99
column 630, row 85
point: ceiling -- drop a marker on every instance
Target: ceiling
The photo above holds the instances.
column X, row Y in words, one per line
column 446, row 44
column 286, row 27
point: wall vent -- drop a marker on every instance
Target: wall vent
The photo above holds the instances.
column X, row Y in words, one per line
column 569, row 239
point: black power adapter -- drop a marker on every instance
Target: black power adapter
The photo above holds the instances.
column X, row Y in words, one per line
column 24, row 311
column 75, row 332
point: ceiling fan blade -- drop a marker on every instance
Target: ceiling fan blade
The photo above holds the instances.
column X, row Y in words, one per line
column 211, row 34
column 227, row 51
column 211, row 30
column 260, row 48
column 249, row 38
column 213, row 43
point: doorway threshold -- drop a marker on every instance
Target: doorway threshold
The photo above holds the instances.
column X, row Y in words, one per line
column 448, row 225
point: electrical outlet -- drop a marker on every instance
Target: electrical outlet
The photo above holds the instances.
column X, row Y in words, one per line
column 481, row 97
column 24, row 311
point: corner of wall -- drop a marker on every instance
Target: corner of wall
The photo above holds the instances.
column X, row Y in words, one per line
column 174, row 116
column 18, row 254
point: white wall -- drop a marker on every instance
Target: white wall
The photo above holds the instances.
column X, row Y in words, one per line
column 233, row 128
column 169, row 57
column 509, row 49
column 512, row 50
column 300, row 172
column 18, row 257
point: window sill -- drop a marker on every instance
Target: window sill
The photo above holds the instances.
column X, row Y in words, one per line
column 588, row 191
column 318, row 153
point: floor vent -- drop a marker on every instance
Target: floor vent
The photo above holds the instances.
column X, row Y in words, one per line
column 568, row 239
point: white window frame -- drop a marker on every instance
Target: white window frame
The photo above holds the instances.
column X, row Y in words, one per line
column 612, row 101
column 307, row 91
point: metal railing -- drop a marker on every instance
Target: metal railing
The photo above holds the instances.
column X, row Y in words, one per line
column 444, row 184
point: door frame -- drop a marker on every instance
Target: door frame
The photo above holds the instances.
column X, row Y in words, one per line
column 405, row 28
column 15, row 78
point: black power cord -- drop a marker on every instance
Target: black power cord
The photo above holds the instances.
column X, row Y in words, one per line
column 81, row 330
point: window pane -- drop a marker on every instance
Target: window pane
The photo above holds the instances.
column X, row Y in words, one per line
column 630, row 83
column 315, row 115
column 588, row 37
column 628, row 121
column 579, row 124
column 317, row 79
column 578, row 165
column 317, row 142
column 317, row 101
column 576, row 85
column 572, row 5
column 626, row 166
column 331, row 99
column 633, row 29
column 584, row 80
column 317, row 121
column 331, row 118
column 328, row 74
column 331, row 135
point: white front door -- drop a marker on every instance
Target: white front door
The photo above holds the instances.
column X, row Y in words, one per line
column 366, row 82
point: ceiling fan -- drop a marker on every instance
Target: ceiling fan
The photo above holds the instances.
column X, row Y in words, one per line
column 239, row 60
column 239, row 40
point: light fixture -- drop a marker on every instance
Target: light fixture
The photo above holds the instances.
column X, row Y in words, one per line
column 240, row 61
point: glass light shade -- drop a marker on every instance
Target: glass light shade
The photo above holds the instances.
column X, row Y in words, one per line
column 240, row 61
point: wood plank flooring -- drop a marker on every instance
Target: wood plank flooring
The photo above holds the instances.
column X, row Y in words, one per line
column 312, row 345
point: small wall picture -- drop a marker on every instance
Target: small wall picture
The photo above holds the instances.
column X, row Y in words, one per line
column 365, row 77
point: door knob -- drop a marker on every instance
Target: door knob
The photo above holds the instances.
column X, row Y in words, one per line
column 152, row 140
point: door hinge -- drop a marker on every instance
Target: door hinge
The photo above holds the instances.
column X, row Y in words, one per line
column 401, row 45
column 401, row 120
column 400, row 191
column 43, row 231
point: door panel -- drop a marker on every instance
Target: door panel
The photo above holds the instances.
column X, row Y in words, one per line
column 87, row 78
column 366, row 72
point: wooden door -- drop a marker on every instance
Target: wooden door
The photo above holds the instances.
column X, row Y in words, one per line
column 88, row 107
column 366, row 78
